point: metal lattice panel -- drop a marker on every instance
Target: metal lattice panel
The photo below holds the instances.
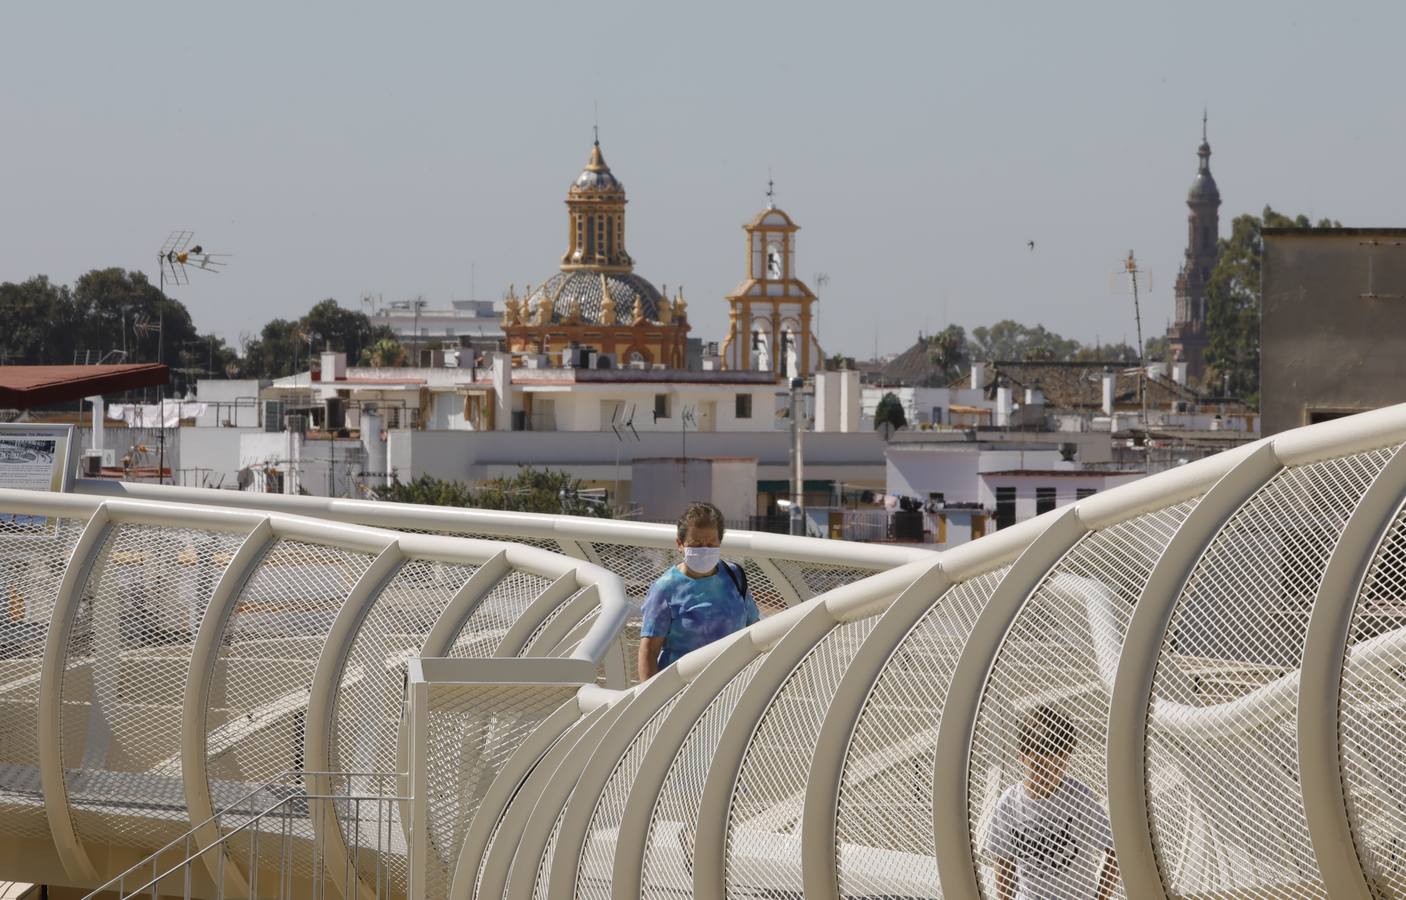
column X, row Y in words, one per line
column 1372, row 729
column 764, row 818
column 598, row 851
column 811, row 579
column 33, row 555
column 1061, row 652
column 496, row 613
column 883, row 826
column 1224, row 801
column 668, row 859
column 269, row 650
column 473, row 730
column 544, row 865
column 125, row 672
column 370, row 687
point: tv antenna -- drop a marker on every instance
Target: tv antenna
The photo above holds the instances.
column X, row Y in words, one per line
column 177, row 254
column 1138, row 279
column 686, row 418
column 619, row 419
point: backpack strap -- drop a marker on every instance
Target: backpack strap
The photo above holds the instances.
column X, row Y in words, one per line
column 738, row 576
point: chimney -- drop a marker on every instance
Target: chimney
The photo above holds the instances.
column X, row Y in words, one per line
column 502, row 393
column 978, row 375
column 1003, row 407
column 334, row 366
column 1157, row 370
column 1109, row 380
column 1034, row 395
column 1179, row 373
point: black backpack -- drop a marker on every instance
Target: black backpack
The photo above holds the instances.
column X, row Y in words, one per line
column 737, row 574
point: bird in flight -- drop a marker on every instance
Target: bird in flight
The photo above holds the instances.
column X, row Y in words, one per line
column 1031, row 245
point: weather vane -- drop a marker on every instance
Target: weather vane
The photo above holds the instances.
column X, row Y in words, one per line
column 770, row 190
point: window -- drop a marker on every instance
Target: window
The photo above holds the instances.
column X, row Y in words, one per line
column 743, row 409
column 1081, row 493
column 1044, row 499
column 661, row 406
column 1005, row 507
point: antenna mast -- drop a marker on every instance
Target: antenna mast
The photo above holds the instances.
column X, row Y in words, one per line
column 1131, row 267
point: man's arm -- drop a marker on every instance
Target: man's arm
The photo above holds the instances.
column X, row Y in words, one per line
column 1005, row 879
column 1108, row 878
column 649, row 656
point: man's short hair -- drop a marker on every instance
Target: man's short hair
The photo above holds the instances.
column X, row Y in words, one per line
column 701, row 514
column 1046, row 733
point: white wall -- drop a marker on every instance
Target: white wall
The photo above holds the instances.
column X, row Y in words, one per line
column 231, row 400
column 217, row 449
column 918, row 471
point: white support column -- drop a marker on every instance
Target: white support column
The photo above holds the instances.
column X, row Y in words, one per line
column 322, row 695
column 203, row 655
column 632, row 839
column 648, row 700
column 71, row 853
column 951, row 826
column 1137, row 667
column 819, row 852
column 1320, row 680
column 417, row 757
column 719, row 789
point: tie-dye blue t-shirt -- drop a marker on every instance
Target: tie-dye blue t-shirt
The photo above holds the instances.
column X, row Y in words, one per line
column 689, row 613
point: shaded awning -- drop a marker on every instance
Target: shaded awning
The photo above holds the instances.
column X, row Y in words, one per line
column 26, row 387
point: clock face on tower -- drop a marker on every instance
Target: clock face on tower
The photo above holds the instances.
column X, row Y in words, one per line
column 773, row 261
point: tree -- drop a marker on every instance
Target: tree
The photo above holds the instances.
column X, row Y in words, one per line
column 1233, row 303
column 286, row 347
column 38, row 317
column 529, row 490
column 385, row 352
column 947, row 350
column 890, row 410
column 1010, row 340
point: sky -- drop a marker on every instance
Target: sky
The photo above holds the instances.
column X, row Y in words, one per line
column 424, row 149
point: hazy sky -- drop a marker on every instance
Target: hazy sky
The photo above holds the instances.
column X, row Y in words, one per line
column 340, row 149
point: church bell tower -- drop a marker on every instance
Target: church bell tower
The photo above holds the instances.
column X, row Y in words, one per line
column 1187, row 338
column 771, row 317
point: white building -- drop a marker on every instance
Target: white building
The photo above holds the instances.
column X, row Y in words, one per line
column 416, row 324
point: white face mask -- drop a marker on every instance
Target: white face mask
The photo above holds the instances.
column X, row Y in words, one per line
column 701, row 559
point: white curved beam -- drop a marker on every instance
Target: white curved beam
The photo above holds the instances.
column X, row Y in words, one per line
column 203, row 656
column 317, row 720
column 451, row 621
column 819, row 851
column 952, row 837
column 514, row 642
column 788, row 591
column 648, row 699
column 564, row 623
column 506, row 785
column 633, row 837
column 51, row 778
column 1137, row 668
column 518, row 866
column 710, row 840
column 1325, row 650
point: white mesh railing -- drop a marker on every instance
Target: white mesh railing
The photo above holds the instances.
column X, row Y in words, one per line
column 1222, row 642
column 162, row 660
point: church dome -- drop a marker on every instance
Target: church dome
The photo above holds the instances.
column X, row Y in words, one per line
column 585, row 291
column 596, row 177
column 1203, row 188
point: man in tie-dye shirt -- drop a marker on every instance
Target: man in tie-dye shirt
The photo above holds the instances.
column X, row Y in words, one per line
column 697, row 601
